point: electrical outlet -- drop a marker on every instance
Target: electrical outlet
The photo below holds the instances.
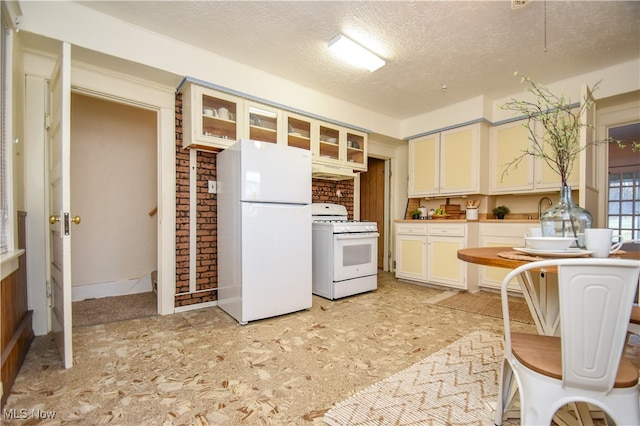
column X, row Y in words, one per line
column 213, row 187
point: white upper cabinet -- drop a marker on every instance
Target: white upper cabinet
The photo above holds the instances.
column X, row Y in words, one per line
column 299, row 131
column 356, row 145
column 329, row 147
column 508, row 141
column 450, row 162
column 424, row 157
column 264, row 123
column 212, row 119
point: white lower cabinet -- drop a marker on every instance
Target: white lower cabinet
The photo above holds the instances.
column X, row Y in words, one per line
column 428, row 253
column 506, row 235
column 443, row 265
column 411, row 251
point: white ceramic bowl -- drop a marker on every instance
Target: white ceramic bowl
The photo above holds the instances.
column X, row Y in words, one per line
column 549, row 243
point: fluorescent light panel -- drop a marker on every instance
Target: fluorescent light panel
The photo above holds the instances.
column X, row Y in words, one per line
column 351, row 52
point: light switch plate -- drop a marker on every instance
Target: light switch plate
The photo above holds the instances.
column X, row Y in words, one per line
column 213, row 187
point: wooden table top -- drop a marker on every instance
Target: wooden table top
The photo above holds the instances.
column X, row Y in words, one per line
column 488, row 256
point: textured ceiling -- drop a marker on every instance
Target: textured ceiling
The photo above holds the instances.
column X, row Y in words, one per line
column 473, row 47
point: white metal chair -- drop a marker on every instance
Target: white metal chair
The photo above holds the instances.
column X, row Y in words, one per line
column 584, row 364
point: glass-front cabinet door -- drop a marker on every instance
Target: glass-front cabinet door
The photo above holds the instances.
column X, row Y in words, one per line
column 263, row 123
column 329, row 144
column 299, row 130
column 210, row 118
column 356, row 150
column 219, row 117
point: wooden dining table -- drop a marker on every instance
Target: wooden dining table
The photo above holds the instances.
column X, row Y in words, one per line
column 539, row 288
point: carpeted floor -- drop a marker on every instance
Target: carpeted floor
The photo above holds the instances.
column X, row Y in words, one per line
column 490, row 304
column 116, row 308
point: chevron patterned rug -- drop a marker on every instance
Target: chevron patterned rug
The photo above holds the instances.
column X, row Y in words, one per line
column 449, row 387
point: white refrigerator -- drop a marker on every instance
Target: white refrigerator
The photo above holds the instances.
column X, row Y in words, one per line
column 264, row 230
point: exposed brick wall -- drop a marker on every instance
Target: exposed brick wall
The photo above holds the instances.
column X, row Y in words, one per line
column 323, row 191
column 182, row 206
column 206, row 272
column 206, row 242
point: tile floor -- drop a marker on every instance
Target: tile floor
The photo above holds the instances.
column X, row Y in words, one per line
column 202, row 368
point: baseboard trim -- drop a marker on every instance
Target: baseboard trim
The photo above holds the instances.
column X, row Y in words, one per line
column 112, row 288
column 195, row 306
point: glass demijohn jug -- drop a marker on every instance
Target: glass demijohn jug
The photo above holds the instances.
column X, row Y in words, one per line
column 566, row 219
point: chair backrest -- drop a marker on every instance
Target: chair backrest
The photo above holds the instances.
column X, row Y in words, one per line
column 595, row 306
column 596, row 297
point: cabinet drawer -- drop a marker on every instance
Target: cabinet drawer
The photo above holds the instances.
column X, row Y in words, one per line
column 447, row 230
column 411, row 229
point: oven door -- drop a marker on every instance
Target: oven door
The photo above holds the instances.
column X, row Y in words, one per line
column 356, row 255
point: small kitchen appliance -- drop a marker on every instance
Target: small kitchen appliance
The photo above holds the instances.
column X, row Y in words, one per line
column 264, row 230
column 345, row 253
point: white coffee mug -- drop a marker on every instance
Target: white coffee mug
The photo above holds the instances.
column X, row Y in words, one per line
column 534, row 232
column 599, row 241
column 223, row 113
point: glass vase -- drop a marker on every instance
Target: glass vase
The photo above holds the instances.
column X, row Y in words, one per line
column 566, row 219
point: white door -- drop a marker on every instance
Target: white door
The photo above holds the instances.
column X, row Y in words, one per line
column 59, row 203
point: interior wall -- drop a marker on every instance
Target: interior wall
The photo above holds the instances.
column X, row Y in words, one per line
column 113, row 189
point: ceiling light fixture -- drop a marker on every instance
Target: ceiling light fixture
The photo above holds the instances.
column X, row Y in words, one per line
column 351, row 52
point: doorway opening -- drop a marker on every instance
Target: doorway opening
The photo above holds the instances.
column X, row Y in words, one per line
column 114, row 190
column 623, row 192
column 373, row 204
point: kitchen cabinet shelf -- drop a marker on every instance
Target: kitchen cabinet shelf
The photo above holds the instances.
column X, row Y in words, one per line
column 355, row 149
column 302, row 142
column 264, row 123
column 299, row 132
column 218, row 127
column 214, row 120
column 211, row 119
column 263, row 134
column 329, row 144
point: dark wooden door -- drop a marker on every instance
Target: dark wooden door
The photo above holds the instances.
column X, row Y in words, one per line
column 372, row 200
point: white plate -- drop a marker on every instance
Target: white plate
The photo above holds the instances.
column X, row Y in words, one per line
column 570, row 252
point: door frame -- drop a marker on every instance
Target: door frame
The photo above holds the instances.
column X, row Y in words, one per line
column 613, row 114
column 386, row 238
column 107, row 85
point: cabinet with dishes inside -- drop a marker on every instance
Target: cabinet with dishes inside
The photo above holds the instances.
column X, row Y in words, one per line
column 341, row 146
column 214, row 120
column 211, row 119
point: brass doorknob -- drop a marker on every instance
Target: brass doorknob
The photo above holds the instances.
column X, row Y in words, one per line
column 53, row 219
column 76, row 220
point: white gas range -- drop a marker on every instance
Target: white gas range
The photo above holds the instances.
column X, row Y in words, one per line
column 345, row 253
